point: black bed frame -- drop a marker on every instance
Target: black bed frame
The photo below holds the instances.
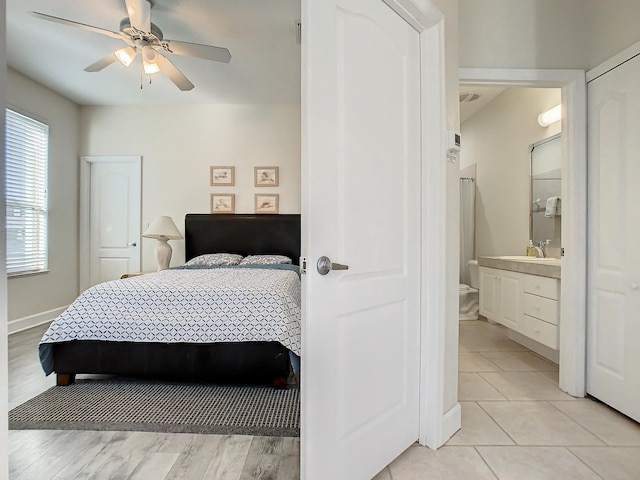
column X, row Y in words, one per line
column 229, row 362
column 242, row 234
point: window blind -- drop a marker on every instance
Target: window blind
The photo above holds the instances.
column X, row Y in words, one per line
column 26, row 159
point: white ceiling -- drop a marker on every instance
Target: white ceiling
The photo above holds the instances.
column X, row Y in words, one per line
column 260, row 34
column 486, row 93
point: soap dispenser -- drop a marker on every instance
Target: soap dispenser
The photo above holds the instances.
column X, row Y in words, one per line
column 531, row 249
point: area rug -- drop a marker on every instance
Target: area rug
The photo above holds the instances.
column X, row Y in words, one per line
column 147, row 406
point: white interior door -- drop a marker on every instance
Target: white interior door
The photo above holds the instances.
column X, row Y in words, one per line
column 361, row 207
column 114, row 217
column 613, row 323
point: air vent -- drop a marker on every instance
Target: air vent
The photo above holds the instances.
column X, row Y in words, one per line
column 468, row 97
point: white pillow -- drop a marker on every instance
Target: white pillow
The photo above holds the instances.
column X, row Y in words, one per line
column 214, row 259
column 265, row 260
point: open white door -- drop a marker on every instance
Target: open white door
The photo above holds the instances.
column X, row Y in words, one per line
column 361, row 207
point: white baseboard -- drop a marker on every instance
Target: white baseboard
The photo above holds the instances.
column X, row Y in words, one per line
column 24, row 323
column 451, row 422
column 542, row 350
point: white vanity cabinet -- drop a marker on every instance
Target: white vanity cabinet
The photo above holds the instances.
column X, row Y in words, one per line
column 489, row 292
column 541, row 309
column 527, row 304
column 500, row 298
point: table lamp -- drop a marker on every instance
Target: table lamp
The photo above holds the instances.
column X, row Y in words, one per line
column 163, row 229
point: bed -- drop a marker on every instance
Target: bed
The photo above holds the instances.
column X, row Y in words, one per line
column 221, row 358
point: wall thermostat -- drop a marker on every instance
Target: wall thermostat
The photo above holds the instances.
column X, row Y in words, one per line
column 453, row 142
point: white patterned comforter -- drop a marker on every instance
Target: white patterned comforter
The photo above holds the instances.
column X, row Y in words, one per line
column 187, row 306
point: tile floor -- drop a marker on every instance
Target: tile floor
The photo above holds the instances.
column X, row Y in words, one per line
column 518, row 425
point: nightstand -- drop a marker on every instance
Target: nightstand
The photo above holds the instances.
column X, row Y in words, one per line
column 127, row 275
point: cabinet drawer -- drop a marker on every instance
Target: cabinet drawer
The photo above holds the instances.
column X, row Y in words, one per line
column 540, row 307
column 542, row 286
column 542, row 332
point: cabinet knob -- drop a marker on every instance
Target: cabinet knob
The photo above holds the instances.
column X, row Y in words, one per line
column 634, row 286
column 536, row 308
column 536, row 330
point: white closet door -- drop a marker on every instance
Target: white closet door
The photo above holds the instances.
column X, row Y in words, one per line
column 613, row 323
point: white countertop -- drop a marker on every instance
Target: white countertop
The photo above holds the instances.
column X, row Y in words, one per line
column 544, row 267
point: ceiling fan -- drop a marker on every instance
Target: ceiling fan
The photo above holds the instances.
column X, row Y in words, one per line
column 146, row 38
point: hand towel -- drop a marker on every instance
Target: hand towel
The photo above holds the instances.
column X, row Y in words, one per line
column 552, row 206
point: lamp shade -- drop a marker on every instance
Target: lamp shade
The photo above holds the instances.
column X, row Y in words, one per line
column 125, row 55
column 149, row 58
column 163, row 228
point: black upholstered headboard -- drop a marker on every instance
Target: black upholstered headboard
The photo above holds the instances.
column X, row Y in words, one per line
column 243, row 234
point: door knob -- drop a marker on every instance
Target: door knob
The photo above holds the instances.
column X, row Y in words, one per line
column 325, row 266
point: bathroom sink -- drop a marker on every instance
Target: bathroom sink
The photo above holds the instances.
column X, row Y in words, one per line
column 524, row 258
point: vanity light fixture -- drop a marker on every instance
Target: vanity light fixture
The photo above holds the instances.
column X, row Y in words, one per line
column 550, row 116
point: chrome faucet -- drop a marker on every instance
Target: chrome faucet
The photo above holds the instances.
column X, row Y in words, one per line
column 540, row 248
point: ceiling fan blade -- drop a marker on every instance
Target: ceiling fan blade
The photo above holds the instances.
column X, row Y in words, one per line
column 71, row 23
column 139, row 12
column 175, row 75
column 208, row 52
column 102, row 63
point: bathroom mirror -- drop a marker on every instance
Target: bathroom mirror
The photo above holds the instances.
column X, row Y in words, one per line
column 546, row 202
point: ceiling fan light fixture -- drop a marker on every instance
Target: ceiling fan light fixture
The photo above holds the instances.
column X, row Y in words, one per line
column 125, row 55
column 150, row 68
column 149, row 57
column 144, row 37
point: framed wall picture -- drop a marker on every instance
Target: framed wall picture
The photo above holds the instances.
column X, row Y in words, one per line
column 223, row 203
column 266, row 176
column 224, row 176
column 267, row 203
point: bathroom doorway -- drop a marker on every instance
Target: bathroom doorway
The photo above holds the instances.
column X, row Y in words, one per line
column 572, row 326
column 497, row 165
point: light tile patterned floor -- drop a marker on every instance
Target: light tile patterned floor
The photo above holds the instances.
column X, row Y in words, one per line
column 518, row 425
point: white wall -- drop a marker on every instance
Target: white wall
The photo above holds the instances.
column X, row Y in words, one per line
column 523, row 33
column 545, row 33
column 35, row 294
column 452, row 238
column 449, row 8
column 179, row 143
column 497, row 139
column 4, row 358
column 615, row 25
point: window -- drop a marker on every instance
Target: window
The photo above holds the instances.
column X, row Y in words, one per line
column 27, row 152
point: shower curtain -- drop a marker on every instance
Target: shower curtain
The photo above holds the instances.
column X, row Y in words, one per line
column 467, row 226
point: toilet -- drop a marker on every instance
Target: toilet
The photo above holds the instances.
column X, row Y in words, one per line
column 469, row 298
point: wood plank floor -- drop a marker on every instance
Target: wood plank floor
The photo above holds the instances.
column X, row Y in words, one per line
column 67, row 455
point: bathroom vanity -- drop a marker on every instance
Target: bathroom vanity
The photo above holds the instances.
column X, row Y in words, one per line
column 523, row 294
